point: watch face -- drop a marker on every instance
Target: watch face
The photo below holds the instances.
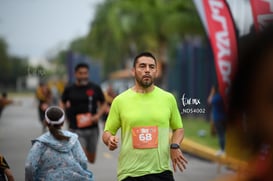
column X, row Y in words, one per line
column 175, row 146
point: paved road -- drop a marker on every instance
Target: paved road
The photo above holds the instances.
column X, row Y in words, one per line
column 19, row 124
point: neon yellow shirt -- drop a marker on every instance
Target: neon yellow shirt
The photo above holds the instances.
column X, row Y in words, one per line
column 130, row 109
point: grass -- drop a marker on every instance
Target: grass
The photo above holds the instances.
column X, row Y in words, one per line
column 199, row 130
column 20, row 94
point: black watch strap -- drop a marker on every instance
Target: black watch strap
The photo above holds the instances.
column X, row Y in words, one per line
column 174, row 146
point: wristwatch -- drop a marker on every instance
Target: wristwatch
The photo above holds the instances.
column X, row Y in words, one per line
column 174, row 146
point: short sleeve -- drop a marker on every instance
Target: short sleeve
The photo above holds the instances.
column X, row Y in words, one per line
column 176, row 120
column 101, row 97
column 65, row 95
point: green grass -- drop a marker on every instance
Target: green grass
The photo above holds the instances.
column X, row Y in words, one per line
column 193, row 126
column 21, row 94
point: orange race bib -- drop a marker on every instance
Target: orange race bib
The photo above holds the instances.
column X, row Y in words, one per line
column 84, row 120
column 145, row 137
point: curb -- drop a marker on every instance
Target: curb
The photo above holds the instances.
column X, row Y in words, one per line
column 209, row 154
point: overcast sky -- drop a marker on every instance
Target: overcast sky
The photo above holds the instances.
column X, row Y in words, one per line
column 36, row 28
column 33, row 28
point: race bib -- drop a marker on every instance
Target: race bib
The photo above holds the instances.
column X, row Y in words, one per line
column 145, row 137
column 84, row 120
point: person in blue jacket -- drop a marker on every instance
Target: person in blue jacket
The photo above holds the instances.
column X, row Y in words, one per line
column 219, row 117
column 57, row 154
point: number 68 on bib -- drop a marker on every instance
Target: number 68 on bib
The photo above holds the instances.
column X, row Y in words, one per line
column 145, row 137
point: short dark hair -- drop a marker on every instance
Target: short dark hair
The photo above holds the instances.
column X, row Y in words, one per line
column 144, row 54
column 81, row 65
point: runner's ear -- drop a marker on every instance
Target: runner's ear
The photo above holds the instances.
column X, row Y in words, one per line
column 133, row 71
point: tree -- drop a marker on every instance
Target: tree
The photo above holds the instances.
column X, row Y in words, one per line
column 4, row 60
column 122, row 28
column 11, row 67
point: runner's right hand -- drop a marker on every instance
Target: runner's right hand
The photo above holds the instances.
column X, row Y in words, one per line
column 113, row 142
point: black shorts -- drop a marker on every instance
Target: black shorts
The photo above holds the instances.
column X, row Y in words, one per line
column 164, row 176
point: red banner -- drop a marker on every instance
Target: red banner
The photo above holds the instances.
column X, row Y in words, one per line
column 262, row 11
column 221, row 31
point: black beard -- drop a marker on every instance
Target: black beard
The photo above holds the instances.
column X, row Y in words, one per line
column 144, row 84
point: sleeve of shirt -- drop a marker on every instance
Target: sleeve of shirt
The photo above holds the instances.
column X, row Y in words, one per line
column 176, row 120
column 113, row 122
column 65, row 95
column 79, row 155
column 101, row 97
column 32, row 161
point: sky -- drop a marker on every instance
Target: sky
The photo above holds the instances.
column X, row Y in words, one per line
column 39, row 28
column 36, row 28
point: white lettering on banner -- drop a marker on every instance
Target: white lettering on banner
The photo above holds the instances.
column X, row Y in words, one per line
column 223, row 44
column 225, row 69
column 222, row 41
column 215, row 6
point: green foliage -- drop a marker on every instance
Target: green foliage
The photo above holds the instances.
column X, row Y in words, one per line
column 10, row 67
column 121, row 28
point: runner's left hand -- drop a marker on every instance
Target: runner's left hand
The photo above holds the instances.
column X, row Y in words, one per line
column 178, row 159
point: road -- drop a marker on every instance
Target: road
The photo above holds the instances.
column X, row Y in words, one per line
column 19, row 124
